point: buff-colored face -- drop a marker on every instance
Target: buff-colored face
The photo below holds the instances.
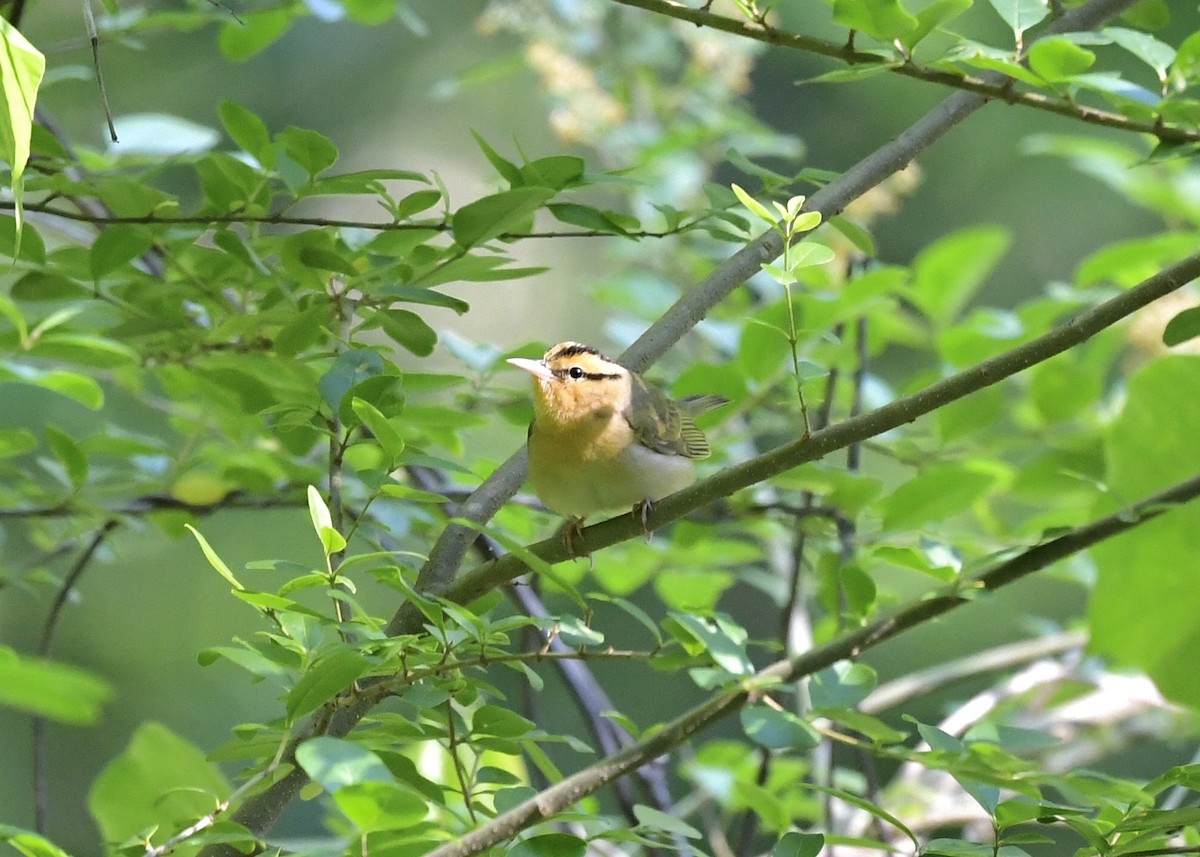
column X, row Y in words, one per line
column 573, row 381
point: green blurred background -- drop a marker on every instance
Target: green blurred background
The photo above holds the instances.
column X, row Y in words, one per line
column 383, row 95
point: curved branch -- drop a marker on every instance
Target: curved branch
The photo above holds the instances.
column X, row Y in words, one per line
column 983, row 85
column 594, row 777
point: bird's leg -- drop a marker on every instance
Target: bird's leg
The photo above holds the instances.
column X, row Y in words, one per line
column 641, row 511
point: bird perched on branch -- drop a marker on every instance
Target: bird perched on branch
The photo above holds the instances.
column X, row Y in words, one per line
column 603, row 439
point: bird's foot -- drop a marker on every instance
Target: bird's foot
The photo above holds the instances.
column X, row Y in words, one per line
column 641, row 511
column 572, row 533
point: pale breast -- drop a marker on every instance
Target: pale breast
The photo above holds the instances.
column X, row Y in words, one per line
column 577, row 483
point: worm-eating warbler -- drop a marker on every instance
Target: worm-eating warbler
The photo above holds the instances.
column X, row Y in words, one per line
column 603, row 439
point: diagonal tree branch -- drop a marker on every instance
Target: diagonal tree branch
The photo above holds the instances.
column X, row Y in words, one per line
column 579, row 785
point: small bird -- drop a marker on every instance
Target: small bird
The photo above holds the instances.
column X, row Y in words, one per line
column 603, row 439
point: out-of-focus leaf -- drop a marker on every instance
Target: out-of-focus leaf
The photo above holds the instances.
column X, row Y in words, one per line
column 948, row 272
column 882, row 19
column 936, row 494
column 253, row 32
column 1058, row 59
column 1020, row 15
column 777, row 730
column 50, row 689
column 159, row 782
column 1184, row 326
column 334, row 763
column 1152, row 444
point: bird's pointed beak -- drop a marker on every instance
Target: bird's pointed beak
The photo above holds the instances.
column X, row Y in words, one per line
column 536, row 368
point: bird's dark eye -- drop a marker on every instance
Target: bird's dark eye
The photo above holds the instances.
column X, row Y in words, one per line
column 576, row 372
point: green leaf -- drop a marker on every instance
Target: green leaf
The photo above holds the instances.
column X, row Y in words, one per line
column 408, row 330
column 428, row 297
column 334, row 763
column 377, row 806
column 16, row 442
column 68, row 453
column 557, row 172
column 884, row 20
column 948, row 272
column 1158, row 55
column 247, row 130
column 82, row 388
column 1184, row 326
column 21, row 69
column 50, row 689
column 940, row 492
column 809, row 254
column 587, row 217
column 28, row 843
column 331, row 540
column 160, row 782
column 861, row 238
column 842, row 685
column 213, row 559
column 507, row 169
column 931, row 18
column 754, row 206
column 326, row 678
column 117, row 245
column 486, row 218
column 415, row 203
column 1152, row 444
column 411, row 495
column 384, row 434
column 724, row 640
column 549, row 845
column 349, row 369
column 500, row 722
column 797, row 844
column 1020, row 15
column 253, row 32
column 656, row 819
column 1057, row 59
column 777, row 730
column 313, row 152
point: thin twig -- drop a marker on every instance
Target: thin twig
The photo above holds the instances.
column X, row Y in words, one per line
column 41, row 801
column 94, row 38
column 984, row 85
column 103, row 218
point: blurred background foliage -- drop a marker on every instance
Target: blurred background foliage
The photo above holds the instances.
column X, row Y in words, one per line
column 665, row 115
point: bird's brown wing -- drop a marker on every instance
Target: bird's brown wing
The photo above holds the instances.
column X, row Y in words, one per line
column 666, row 426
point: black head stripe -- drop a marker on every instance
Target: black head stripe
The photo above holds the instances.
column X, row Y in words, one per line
column 573, row 349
